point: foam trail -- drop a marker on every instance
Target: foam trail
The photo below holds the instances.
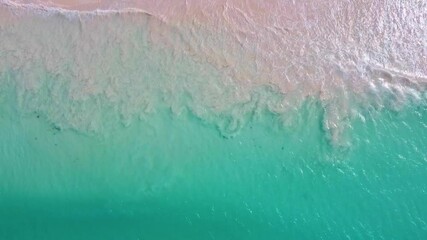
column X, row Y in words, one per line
column 298, row 51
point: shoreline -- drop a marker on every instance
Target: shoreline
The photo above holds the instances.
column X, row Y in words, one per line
column 231, row 11
column 56, row 8
column 62, row 5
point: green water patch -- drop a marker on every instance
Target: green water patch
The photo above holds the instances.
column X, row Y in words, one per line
column 173, row 176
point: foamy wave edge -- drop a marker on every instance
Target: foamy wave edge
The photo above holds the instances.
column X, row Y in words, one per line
column 402, row 87
column 40, row 9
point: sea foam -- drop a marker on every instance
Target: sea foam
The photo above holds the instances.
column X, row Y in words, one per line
column 79, row 68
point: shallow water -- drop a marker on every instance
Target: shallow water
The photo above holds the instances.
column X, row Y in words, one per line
column 177, row 177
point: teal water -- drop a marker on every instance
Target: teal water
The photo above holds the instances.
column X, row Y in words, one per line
column 176, row 177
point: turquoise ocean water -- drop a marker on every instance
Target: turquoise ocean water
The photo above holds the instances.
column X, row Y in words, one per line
column 177, row 178
column 75, row 165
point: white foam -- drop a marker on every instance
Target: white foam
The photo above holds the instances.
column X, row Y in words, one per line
column 78, row 67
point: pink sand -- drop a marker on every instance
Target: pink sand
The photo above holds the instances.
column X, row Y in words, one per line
column 257, row 12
